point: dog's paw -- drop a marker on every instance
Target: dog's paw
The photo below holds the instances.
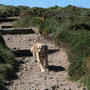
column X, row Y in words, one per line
column 42, row 70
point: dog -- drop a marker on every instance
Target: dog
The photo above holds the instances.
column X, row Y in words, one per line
column 40, row 51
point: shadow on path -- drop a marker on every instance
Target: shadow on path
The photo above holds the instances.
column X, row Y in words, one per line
column 16, row 31
column 25, row 53
column 56, row 68
column 51, row 51
column 22, row 53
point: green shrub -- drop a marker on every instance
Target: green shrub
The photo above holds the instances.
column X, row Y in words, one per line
column 22, row 22
column 7, row 11
column 27, row 22
column 7, row 62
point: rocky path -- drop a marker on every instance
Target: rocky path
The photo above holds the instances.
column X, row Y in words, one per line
column 29, row 76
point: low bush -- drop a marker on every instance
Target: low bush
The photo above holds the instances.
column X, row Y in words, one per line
column 8, row 11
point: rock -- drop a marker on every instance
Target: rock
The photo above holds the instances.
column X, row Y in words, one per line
column 31, row 68
column 14, row 47
column 20, row 74
column 29, row 39
column 21, row 82
column 44, row 78
column 50, row 77
column 54, row 87
column 29, row 44
column 26, row 59
column 29, row 83
column 79, row 86
column 61, row 84
column 15, row 87
column 8, row 39
column 26, row 69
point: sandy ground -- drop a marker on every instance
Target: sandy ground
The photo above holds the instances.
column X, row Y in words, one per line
column 29, row 76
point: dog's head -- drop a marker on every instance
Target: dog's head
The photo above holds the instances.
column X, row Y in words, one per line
column 42, row 49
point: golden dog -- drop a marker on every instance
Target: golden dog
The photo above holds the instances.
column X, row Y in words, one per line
column 40, row 50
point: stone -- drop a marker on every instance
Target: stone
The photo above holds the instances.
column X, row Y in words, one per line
column 54, row 87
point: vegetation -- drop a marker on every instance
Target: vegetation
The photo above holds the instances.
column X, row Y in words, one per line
column 10, row 11
column 7, row 63
column 7, row 11
column 69, row 26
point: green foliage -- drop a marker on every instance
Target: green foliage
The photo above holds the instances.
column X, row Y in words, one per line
column 79, row 46
column 22, row 22
column 7, row 11
column 27, row 22
column 34, row 12
column 23, row 8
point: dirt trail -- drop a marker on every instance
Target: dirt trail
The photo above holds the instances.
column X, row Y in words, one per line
column 29, row 76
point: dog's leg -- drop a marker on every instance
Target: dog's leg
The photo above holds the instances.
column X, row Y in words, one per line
column 46, row 62
column 40, row 62
column 32, row 52
column 41, row 66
